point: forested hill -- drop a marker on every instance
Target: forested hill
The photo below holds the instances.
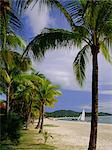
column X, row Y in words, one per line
column 70, row 113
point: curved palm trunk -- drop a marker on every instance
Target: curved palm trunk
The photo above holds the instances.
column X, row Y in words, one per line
column 38, row 124
column 29, row 115
column 28, row 120
column 42, row 120
column 7, row 100
column 94, row 119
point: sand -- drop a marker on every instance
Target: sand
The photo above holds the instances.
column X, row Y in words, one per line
column 69, row 135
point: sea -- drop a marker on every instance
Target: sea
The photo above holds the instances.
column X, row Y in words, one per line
column 101, row 119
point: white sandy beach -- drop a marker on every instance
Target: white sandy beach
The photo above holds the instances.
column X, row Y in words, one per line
column 69, row 135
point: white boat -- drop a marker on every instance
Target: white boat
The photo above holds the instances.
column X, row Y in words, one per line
column 82, row 116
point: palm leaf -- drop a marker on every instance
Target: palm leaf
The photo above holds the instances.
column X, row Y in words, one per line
column 53, row 38
column 75, row 11
column 79, row 64
column 104, row 18
column 15, row 41
column 24, row 4
column 5, row 76
column 8, row 16
column 105, row 52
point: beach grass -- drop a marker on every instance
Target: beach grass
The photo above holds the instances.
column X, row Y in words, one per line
column 31, row 140
column 50, row 125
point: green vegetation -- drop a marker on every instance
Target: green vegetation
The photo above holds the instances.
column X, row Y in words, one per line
column 47, row 94
column 28, row 92
column 46, row 135
column 50, row 125
column 91, row 31
column 10, row 128
column 70, row 113
column 30, row 140
column 104, row 114
column 62, row 113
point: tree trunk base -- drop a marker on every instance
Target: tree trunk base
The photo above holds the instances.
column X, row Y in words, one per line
column 92, row 148
column 37, row 127
column 40, row 131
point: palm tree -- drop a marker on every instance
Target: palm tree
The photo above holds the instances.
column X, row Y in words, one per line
column 25, row 98
column 46, row 95
column 26, row 94
column 9, row 21
column 34, row 91
column 9, row 40
column 10, row 68
column 92, row 27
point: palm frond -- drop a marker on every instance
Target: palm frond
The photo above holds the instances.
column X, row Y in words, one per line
column 105, row 52
column 21, row 5
column 14, row 20
column 8, row 15
column 24, row 4
column 53, row 38
column 79, row 64
column 75, row 11
column 104, row 17
column 63, row 10
column 15, row 41
column 5, row 76
column 13, row 63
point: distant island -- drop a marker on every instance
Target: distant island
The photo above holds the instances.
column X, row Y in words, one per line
column 71, row 113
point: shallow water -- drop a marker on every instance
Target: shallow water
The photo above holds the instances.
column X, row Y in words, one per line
column 101, row 119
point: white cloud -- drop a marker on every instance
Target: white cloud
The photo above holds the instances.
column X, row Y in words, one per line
column 86, row 107
column 57, row 65
column 39, row 17
column 104, row 106
column 109, row 92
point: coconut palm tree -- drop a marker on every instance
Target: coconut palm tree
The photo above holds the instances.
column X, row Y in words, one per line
column 46, row 95
column 8, row 22
column 25, row 97
column 9, row 70
column 9, row 41
column 26, row 94
column 34, row 91
column 92, row 27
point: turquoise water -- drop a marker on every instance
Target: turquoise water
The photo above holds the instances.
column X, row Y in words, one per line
column 102, row 119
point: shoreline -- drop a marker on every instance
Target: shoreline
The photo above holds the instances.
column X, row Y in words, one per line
column 84, row 122
column 71, row 135
column 102, row 120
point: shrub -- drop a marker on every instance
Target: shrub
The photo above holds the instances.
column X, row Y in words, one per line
column 11, row 126
column 46, row 135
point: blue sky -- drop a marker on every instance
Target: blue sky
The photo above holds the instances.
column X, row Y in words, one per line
column 78, row 100
column 57, row 65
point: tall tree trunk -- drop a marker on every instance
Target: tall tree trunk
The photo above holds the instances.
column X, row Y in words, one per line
column 94, row 117
column 28, row 120
column 42, row 119
column 7, row 100
column 29, row 115
column 38, row 124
